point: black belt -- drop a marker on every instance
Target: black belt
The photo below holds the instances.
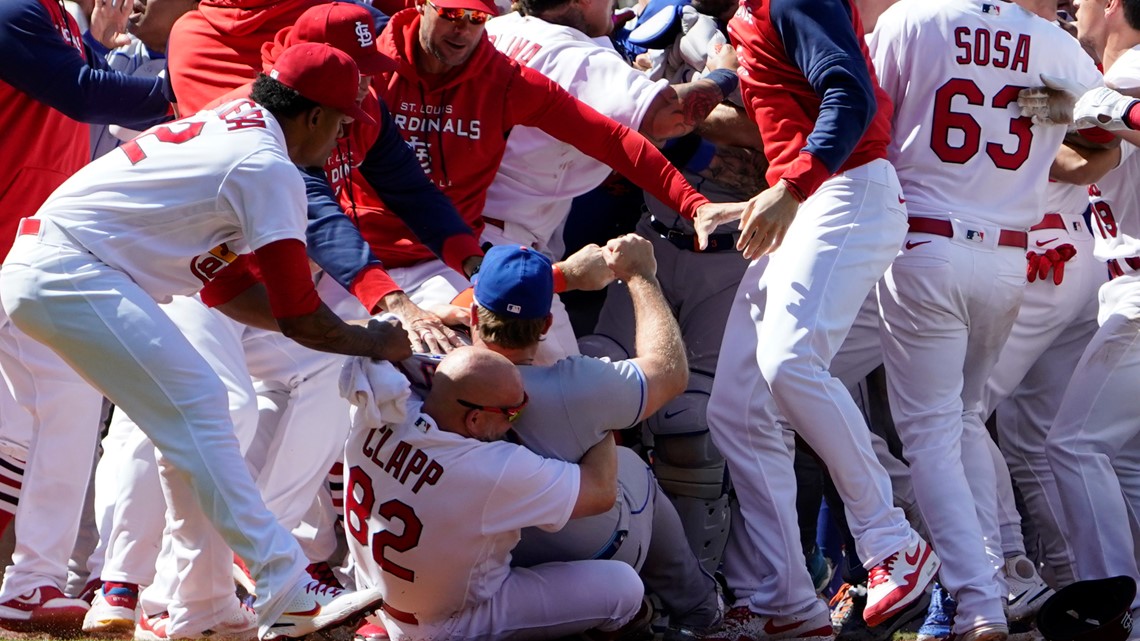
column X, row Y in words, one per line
column 688, row 242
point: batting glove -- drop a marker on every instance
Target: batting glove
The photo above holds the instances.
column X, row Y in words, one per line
column 1053, row 259
column 1096, row 107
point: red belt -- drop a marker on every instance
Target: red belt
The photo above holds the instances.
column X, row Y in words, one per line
column 939, row 227
column 29, row 227
column 1050, row 221
column 400, row 615
column 1116, row 269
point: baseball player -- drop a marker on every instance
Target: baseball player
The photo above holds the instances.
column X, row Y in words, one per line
column 834, row 203
column 973, row 171
column 118, row 255
column 642, row 529
column 436, row 501
column 1091, row 446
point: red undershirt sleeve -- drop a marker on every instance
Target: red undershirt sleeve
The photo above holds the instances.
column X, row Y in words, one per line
column 285, row 271
column 239, row 276
column 371, row 285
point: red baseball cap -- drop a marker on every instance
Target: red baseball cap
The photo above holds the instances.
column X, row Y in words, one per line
column 323, row 74
column 487, row 6
column 344, row 25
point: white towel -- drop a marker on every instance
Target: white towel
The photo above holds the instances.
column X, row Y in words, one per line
column 377, row 391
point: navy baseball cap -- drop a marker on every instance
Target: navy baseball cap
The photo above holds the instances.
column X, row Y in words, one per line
column 1094, row 610
column 515, row 281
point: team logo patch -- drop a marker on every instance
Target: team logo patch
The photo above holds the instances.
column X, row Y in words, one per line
column 207, row 266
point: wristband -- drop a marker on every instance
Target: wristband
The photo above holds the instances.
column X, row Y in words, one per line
column 559, row 279
column 725, row 79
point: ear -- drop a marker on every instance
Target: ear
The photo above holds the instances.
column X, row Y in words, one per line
column 474, row 320
column 549, row 322
column 313, row 117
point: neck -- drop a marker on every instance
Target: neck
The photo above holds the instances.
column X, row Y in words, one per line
column 1117, row 43
column 519, row 356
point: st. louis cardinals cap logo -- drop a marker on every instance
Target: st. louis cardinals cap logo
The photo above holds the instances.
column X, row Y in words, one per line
column 363, row 35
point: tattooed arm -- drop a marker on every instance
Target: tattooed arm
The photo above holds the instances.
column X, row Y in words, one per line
column 678, row 109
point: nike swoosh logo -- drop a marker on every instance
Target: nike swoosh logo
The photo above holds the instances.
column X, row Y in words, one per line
column 31, row 598
column 1042, row 243
column 770, row 626
column 913, row 560
column 672, row 414
column 910, row 244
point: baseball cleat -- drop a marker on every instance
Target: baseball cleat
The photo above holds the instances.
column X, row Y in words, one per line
column 239, row 625
column 742, row 624
column 939, row 617
column 45, row 610
column 112, row 612
column 847, row 616
column 1027, row 591
column 820, row 569
column 899, row 581
column 316, row 606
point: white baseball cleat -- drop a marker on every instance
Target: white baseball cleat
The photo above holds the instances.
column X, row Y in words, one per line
column 239, row 625
column 46, row 610
column 899, row 580
column 1027, row 591
column 316, row 606
column 742, row 624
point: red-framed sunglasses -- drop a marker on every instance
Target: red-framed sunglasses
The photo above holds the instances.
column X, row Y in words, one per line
column 512, row 412
column 455, row 15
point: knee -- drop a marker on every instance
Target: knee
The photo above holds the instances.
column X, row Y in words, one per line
column 685, row 460
column 624, row 585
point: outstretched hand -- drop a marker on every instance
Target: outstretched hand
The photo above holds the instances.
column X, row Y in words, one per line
column 712, row 215
column 109, row 22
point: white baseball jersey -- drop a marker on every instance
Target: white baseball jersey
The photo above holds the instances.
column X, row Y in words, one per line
column 539, row 175
column 439, row 513
column 953, row 70
column 1115, row 199
column 204, row 189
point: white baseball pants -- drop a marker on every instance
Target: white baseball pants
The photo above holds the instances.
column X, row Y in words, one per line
column 791, row 314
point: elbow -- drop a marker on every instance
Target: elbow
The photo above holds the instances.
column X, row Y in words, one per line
column 603, row 500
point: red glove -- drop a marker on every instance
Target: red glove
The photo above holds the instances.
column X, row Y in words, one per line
column 1053, row 259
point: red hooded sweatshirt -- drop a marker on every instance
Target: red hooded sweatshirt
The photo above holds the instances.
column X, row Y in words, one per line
column 218, row 47
column 458, row 123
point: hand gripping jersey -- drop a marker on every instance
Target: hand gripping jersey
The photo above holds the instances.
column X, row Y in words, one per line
column 206, row 188
column 439, row 513
column 539, row 175
column 1115, row 197
column 954, row 69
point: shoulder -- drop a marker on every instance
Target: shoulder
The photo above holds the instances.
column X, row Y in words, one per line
column 584, row 371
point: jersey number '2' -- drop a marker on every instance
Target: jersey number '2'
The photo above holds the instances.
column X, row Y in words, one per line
column 164, row 133
column 357, row 510
column 946, row 120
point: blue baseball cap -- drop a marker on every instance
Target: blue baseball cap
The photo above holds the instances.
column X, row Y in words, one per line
column 515, row 281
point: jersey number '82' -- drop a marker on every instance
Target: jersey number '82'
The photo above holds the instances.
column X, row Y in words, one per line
column 359, row 500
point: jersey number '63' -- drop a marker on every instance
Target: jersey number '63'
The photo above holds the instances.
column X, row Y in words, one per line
column 947, row 120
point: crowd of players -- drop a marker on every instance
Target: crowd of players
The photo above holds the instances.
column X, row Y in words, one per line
column 398, row 390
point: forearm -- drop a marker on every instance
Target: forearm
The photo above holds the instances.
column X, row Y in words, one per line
column 324, row 331
column 1083, row 166
column 679, row 109
column 598, row 487
column 657, row 341
column 739, row 169
column 730, row 125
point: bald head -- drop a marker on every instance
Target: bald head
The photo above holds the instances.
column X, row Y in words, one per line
column 474, row 376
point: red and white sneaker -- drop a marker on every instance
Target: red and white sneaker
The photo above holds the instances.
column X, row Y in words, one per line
column 112, row 610
column 45, row 610
column 899, row 580
column 742, row 624
column 239, row 625
column 316, row 606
